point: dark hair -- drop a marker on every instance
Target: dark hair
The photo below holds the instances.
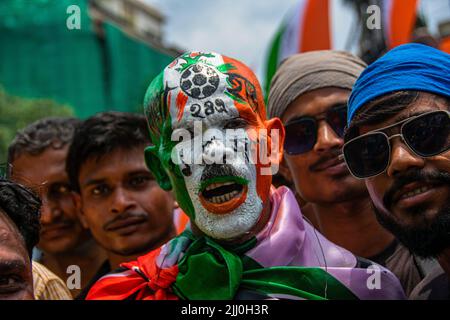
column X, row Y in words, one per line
column 42, row 134
column 102, row 134
column 23, row 208
column 380, row 109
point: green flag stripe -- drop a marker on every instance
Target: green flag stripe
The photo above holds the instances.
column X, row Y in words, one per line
column 273, row 58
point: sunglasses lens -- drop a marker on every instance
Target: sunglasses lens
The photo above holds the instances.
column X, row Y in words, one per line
column 300, row 136
column 428, row 135
column 337, row 118
column 368, row 155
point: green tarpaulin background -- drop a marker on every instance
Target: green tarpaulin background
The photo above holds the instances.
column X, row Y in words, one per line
column 41, row 57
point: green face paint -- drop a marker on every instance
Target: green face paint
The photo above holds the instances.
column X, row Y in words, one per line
column 160, row 127
column 235, row 179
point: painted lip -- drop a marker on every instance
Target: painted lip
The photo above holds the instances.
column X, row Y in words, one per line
column 226, row 206
column 415, row 193
column 332, row 166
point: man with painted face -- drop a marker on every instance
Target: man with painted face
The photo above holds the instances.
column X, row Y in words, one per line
column 398, row 141
column 309, row 93
column 246, row 239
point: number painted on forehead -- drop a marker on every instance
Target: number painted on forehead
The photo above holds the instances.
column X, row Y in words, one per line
column 208, row 108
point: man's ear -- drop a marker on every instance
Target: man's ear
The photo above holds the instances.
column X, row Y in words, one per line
column 275, row 127
column 79, row 207
column 154, row 164
column 285, row 172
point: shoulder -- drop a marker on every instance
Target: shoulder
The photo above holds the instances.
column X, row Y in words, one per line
column 125, row 281
column 435, row 286
column 47, row 285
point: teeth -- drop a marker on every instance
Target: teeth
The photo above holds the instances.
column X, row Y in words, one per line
column 415, row 192
column 216, row 185
column 224, row 198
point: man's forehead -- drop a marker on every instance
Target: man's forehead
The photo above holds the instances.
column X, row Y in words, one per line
column 29, row 169
column 316, row 102
column 9, row 235
column 118, row 164
column 426, row 102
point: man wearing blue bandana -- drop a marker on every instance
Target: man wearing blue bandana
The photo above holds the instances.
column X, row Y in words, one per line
column 398, row 141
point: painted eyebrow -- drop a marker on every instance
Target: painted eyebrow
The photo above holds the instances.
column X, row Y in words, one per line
column 7, row 266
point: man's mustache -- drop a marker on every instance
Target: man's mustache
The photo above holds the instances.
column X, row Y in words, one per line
column 414, row 175
column 217, row 170
column 58, row 222
column 123, row 216
column 334, row 153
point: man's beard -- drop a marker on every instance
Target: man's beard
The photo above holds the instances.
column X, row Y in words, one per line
column 426, row 241
column 429, row 238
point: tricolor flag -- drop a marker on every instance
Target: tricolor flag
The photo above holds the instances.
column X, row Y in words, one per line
column 322, row 24
column 399, row 21
column 308, row 28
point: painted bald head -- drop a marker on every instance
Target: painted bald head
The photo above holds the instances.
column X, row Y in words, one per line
column 211, row 141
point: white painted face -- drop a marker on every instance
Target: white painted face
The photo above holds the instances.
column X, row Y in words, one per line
column 223, row 191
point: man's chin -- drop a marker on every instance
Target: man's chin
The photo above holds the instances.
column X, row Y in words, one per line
column 425, row 234
column 59, row 246
column 420, row 215
column 228, row 227
column 133, row 248
column 335, row 192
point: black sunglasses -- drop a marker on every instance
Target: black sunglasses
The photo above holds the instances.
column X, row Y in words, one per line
column 425, row 135
column 301, row 133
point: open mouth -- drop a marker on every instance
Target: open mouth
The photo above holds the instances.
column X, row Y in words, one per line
column 413, row 189
column 416, row 193
column 223, row 194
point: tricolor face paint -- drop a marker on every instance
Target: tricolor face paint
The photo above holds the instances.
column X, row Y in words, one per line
column 206, row 119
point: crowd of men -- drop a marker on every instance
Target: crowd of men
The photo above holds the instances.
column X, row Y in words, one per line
column 98, row 208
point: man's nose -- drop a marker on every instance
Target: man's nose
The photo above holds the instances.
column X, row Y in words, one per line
column 50, row 211
column 327, row 139
column 402, row 159
column 121, row 201
column 216, row 151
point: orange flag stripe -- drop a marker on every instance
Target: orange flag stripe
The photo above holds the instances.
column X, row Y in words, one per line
column 402, row 19
column 315, row 33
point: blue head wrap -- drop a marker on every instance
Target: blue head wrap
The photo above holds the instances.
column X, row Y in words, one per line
column 407, row 67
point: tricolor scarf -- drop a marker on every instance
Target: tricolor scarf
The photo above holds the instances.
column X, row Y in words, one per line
column 287, row 259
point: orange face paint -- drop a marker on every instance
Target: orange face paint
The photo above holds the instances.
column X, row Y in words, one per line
column 225, row 207
column 181, row 103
